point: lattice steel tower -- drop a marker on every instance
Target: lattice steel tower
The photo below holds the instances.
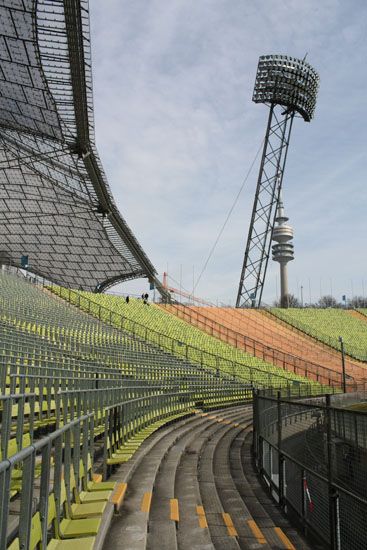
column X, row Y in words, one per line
column 289, row 87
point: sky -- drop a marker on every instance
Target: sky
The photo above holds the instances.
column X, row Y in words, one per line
column 177, row 132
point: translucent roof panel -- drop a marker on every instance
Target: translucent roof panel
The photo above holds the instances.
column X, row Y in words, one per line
column 55, row 202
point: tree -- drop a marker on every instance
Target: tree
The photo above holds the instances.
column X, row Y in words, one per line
column 358, row 301
column 292, row 301
column 327, row 301
column 289, row 300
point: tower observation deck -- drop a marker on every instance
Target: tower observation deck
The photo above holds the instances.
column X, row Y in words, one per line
column 283, row 250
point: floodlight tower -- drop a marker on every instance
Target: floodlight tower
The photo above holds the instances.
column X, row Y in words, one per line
column 289, row 87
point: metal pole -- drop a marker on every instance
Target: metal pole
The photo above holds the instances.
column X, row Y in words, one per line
column 343, row 363
column 255, row 434
column 304, row 500
column 280, row 457
column 334, row 518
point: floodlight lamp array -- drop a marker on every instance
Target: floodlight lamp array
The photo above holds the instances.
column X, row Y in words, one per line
column 287, row 81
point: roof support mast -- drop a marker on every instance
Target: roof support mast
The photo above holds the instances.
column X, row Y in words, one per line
column 288, row 86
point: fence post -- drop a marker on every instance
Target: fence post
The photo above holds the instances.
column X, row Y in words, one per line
column 280, row 456
column 334, row 519
column 255, row 432
column 303, row 502
column 344, row 385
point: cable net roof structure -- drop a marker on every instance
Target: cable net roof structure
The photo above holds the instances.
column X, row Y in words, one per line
column 55, row 202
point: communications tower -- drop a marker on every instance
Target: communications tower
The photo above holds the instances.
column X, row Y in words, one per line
column 289, row 87
column 283, row 250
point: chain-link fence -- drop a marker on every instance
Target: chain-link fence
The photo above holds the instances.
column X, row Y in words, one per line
column 312, row 453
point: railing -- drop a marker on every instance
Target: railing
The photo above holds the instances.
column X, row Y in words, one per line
column 312, row 455
column 362, row 311
column 46, row 375
column 65, row 447
column 287, row 361
column 184, row 351
column 60, row 454
column 124, row 420
column 30, row 408
column 22, row 342
column 355, row 351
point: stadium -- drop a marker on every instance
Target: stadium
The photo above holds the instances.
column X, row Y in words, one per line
column 160, row 420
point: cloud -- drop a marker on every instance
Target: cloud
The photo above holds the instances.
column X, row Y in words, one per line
column 177, row 131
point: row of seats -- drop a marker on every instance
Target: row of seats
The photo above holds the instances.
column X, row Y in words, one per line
column 182, row 339
column 124, row 427
column 52, row 478
column 76, row 393
column 327, row 325
column 58, row 500
column 266, row 338
column 266, row 328
column 65, row 340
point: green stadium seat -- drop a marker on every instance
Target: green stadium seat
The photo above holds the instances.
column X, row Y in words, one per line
column 54, row 544
column 69, row 528
column 326, row 325
column 93, row 482
column 82, row 498
column 59, row 363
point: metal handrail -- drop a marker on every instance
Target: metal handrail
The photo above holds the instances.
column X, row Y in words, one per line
column 328, row 373
column 67, row 295
column 355, row 352
column 72, row 443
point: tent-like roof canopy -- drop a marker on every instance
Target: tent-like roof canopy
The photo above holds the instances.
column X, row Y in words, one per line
column 55, row 203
